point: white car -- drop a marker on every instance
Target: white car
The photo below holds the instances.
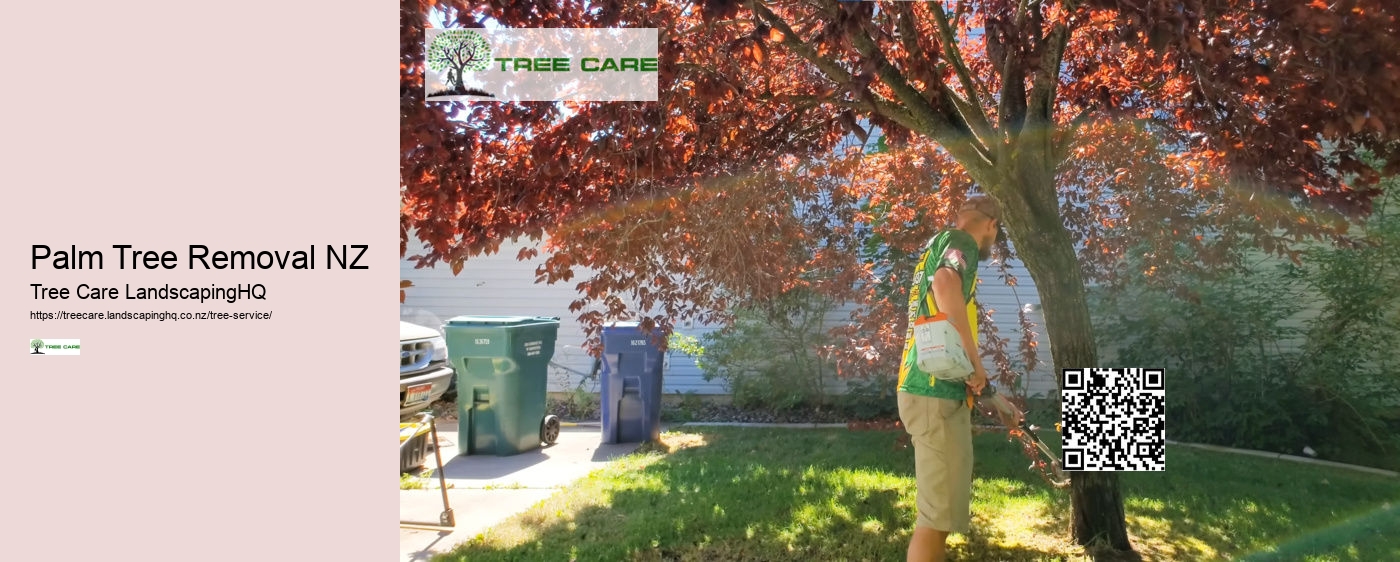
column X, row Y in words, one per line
column 424, row 372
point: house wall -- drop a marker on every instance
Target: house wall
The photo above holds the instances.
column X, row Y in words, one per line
column 499, row 284
column 1005, row 303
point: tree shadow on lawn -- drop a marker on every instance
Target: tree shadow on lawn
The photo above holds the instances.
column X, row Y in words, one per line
column 1215, row 505
column 746, row 494
column 818, row 495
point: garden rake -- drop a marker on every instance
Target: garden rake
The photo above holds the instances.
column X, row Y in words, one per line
column 447, row 520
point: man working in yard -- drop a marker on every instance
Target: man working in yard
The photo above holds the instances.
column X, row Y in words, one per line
column 938, row 413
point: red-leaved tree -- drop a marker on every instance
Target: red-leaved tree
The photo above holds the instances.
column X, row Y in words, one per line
column 1172, row 128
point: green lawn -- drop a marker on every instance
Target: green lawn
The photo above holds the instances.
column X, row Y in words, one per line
column 721, row 494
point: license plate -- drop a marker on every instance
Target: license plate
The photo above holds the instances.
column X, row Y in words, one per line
column 417, row 394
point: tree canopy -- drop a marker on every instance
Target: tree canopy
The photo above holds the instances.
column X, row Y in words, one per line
column 1253, row 88
column 1172, row 128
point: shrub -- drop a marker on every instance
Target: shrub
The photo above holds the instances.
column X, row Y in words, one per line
column 870, row 399
column 1227, row 373
column 685, row 408
column 1278, row 356
column 769, row 356
column 1350, row 360
column 582, row 402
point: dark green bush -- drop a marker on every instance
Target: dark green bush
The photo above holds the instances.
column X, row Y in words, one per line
column 1222, row 357
column 1280, row 356
column 768, row 358
column 684, row 407
column 1351, row 361
column 871, row 399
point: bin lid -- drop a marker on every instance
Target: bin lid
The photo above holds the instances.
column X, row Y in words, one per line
column 497, row 320
column 622, row 328
column 626, row 331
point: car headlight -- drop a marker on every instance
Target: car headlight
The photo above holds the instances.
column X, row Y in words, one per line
column 439, row 349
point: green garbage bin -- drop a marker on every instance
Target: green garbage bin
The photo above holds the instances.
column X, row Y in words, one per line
column 502, row 365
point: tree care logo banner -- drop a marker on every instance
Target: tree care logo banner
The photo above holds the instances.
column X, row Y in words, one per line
column 540, row 65
column 49, row 346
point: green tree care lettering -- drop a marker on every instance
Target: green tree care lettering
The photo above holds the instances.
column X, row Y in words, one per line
column 586, row 64
column 199, row 256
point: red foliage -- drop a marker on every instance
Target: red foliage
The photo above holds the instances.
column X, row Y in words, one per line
column 1102, row 126
column 1160, row 107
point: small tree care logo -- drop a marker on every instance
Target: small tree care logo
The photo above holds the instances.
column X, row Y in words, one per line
column 457, row 52
column 462, row 65
column 50, row 346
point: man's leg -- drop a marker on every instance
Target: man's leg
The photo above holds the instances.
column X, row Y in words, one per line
column 925, row 419
column 928, row 544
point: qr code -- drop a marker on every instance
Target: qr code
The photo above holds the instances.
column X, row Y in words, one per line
column 1114, row 420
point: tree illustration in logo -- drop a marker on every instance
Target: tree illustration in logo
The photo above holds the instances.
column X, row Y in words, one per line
column 458, row 51
column 36, row 344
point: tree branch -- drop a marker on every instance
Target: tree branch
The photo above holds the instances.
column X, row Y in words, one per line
column 943, row 124
column 818, row 100
column 1007, row 111
column 1042, row 105
column 913, row 112
column 1021, row 12
column 971, row 111
column 907, row 35
column 828, row 67
column 703, row 28
column 1041, row 110
column 894, row 78
column 1082, row 118
column 978, row 117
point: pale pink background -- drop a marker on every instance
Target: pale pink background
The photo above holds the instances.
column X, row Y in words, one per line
column 185, row 123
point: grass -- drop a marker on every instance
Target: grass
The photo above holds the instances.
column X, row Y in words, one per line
column 462, row 92
column 423, row 481
column 410, row 482
column 731, row 494
column 510, row 486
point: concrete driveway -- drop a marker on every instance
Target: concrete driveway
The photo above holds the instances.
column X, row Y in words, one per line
column 485, row 490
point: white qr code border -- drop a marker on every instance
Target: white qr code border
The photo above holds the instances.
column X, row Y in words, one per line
column 1113, row 420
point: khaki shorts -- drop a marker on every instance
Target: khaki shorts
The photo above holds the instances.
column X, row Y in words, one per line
column 941, row 432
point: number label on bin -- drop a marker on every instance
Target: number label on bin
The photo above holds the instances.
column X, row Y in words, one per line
column 639, row 342
column 483, row 341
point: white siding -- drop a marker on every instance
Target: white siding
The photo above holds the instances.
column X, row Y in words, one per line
column 682, row 375
column 1005, row 302
column 499, row 284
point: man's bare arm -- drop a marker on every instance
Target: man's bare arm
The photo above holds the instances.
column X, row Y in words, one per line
column 947, row 294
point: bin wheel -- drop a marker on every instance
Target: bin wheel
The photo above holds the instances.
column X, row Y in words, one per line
column 549, row 430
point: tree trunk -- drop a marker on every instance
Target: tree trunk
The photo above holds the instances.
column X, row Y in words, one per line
column 457, row 82
column 1035, row 227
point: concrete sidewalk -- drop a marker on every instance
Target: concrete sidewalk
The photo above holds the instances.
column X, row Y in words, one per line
column 484, row 490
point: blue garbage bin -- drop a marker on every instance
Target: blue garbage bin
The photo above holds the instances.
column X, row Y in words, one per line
column 631, row 384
